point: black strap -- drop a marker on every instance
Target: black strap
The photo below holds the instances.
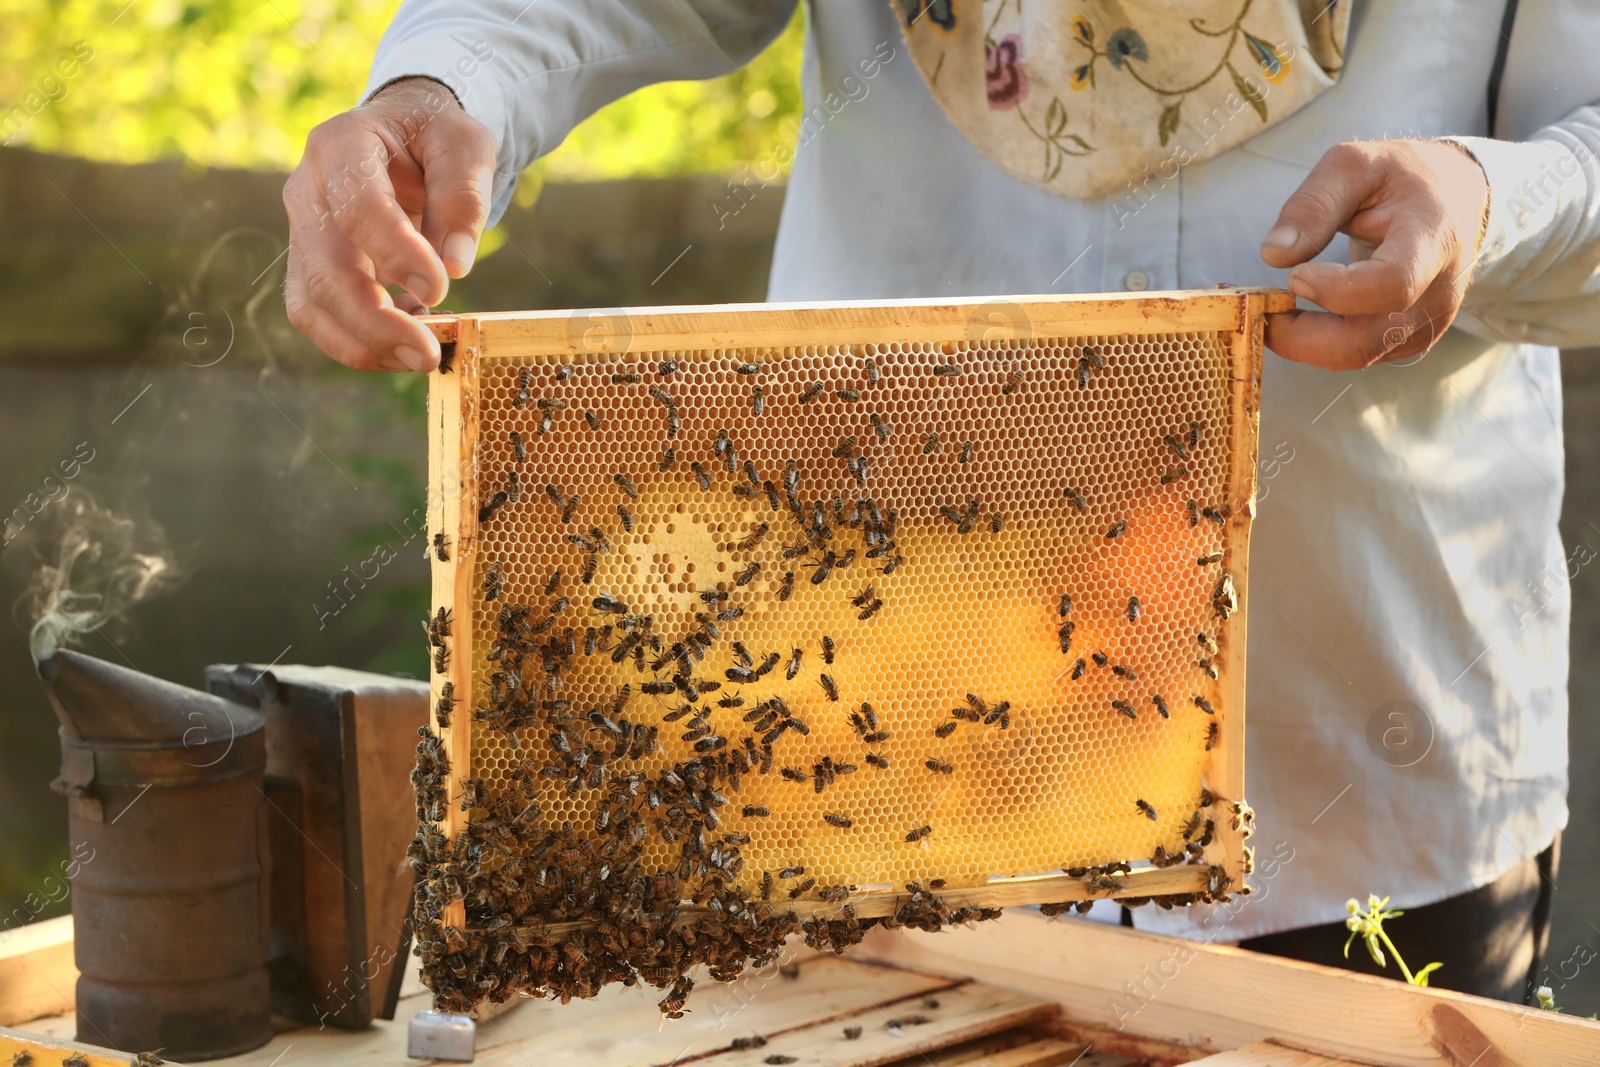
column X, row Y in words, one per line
column 1501, row 47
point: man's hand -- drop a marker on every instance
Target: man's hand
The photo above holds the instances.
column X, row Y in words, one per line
column 392, row 193
column 1414, row 212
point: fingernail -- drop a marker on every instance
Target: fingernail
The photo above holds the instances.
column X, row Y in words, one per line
column 419, row 287
column 1285, row 236
column 460, row 249
column 411, row 357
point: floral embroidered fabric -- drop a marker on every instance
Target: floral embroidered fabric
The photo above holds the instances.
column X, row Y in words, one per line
column 1084, row 98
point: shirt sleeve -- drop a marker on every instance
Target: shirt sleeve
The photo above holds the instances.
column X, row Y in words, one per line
column 531, row 70
column 1537, row 277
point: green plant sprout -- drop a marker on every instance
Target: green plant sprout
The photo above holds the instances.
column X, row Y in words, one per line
column 1367, row 924
column 1546, row 998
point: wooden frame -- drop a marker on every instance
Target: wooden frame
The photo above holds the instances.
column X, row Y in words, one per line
column 469, row 340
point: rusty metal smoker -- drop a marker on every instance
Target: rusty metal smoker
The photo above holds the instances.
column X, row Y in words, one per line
column 164, row 787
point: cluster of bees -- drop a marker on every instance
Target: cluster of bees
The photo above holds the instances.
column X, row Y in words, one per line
column 565, row 910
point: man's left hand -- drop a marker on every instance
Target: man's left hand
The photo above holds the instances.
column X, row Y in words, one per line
column 1414, row 212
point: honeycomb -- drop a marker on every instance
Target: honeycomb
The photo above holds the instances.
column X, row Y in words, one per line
column 980, row 580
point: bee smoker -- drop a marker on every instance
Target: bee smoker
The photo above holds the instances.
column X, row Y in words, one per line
column 164, row 788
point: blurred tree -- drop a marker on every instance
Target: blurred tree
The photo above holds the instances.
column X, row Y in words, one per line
column 240, row 83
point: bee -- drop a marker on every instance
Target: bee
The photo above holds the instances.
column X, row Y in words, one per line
column 1192, row 827
column 824, row 567
column 544, row 425
column 1206, row 561
column 758, row 400
column 845, row 449
column 1064, row 636
column 997, row 522
column 441, row 625
column 1013, row 382
column 879, row 427
column 1213, row 734
column 804, row 887
column 849, row 396
column 755, row 811
column 1100, row 658
column 659, row 689
column 674, row 424
column 786, row 587
column 740, row 1044
column 667, row 368
column 662, row 397
column 1078, row 669
column 751, row 475
column 1179, row 449
column 607, row 603
column 843, row 822
column 945, row 729
column 938, row 766
column 546, row 403
column 513, row 486
column 748, row 575
column 570, row 508
column 700, row 475
column 1083, row 373
column 1075, row 498
column 1096, row 360
column 1173, row 474
column 794, row 665
column 1223, row 599
column 441, row 547
column 792, row 872
column 518, row 449
column 811, row 392
column 1126, row 708
column 1207, row 666
column 966, row 452
column 851, row 1033
column 753, row 539
column 492, row 581
column 828, row 686
column 1214, row 515
column 441, row 659
column 626, row 377
column 1133, row 609
column 669, row 456
column 747, row 368
column 591, row 563
column 1116, row 531
column 1204, row 705
column 496, row 502
column 919, row 833
column 742, row 655
column 626, row 483
column 861, row 598
column 827, row 649
column 1194, row 513
column 1066, row 604
column 946, row 370
column 563, row 372
column 524, row 381
column 1161, row 705
column 1194, row 433
column 445, row 704
column 1205, row 642
column 627, row 518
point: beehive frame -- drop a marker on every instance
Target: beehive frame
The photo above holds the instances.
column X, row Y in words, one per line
column 1220, row 331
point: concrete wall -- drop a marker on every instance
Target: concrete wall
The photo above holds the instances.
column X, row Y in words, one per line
column 273, row 470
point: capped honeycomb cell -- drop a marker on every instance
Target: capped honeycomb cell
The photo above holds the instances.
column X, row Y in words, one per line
column 768, row 617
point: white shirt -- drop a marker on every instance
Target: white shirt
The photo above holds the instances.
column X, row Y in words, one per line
column 1405, row 548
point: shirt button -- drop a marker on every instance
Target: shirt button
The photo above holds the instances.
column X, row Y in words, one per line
column 1137, row 281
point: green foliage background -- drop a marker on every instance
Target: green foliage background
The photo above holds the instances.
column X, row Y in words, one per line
column 241, row 82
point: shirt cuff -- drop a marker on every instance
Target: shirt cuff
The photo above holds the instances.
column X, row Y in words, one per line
column 1528, row 181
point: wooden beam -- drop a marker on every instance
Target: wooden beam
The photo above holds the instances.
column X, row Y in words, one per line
column 13, row 1043
column 38, row 976
column 1272, row 1054
column 1215, row 998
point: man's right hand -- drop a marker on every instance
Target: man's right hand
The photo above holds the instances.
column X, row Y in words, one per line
column 395, row 192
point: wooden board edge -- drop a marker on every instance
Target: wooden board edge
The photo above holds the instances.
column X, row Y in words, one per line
column 443, row 327
column 452, row 505
column 15, row 1042
column 1211, row 998
column 618, row 331
column 38, row 971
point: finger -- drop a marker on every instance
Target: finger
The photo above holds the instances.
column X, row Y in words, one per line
column 1393, row 278
column 338, row 280
column 352, row 175
column 1332, row 342
column 457, row 157
column 311, row 319
column 1332, row 193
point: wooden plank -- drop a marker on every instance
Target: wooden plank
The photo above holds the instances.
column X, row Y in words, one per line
column 37, row 974
column 964, row 1013
column 685, row 329
column 624, row 1027
column 1272, row 1054
column 1043, row 1052
column 48, row 1051
column 1215, row 998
